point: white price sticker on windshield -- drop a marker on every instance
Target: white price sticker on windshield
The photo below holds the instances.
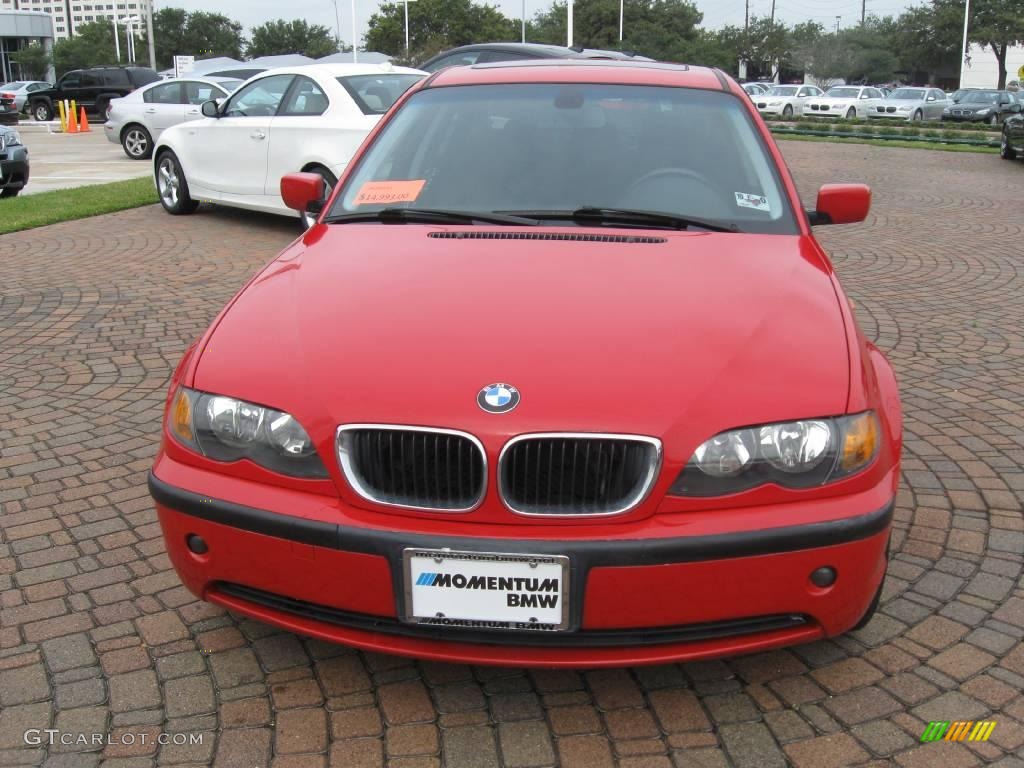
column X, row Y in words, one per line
column 757, row 202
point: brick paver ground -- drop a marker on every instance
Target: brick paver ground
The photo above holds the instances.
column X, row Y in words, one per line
column 97, row 635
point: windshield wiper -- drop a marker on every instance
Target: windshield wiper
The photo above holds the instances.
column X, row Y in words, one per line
column 430, row 216
column 629, row 216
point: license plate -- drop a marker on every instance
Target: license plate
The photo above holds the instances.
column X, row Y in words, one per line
column 486, row 590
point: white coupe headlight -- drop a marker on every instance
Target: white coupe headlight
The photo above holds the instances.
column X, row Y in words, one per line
column 226, row 429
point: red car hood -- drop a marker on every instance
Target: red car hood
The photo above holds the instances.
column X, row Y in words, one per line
column 679, row 340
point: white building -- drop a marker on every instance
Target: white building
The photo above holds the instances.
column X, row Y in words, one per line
column 67, row 15
column 983, row 70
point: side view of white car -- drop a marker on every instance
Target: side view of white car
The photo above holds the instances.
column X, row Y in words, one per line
column 135, row 121
column 309, row 118
column 786, row 100
column 847, row 101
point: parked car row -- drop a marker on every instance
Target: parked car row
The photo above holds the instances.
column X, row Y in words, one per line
column 911, row 104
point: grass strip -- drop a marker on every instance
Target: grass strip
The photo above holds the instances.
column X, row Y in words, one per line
column 39, row 210
column 937, row 146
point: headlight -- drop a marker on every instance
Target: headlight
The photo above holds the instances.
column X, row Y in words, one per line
column 794, row 454
column 226, row 429
column 984, row 111
column 837, row 106
column 12, row 138
column 903, row 109
column 774, row 103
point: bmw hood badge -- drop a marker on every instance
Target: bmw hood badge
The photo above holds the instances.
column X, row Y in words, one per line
column 498, row 398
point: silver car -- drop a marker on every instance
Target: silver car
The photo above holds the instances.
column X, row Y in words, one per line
column 21, row 89
column 912, row 104
column 136, row 121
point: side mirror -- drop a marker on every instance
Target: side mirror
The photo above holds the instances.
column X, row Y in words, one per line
column 303, row 192
column 841, row 204
column 931, row 98
column 210, row 109
column 1016, row 107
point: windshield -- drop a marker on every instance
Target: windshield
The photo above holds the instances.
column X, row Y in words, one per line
column 843, row 93
column 561, row 147
column 980, row 97
column 374, row 94
column 916, row 94
column 783, row 90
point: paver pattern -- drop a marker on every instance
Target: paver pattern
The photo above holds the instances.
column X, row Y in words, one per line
column 97, row 635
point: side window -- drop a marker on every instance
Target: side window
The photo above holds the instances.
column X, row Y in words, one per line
column 196, row 93
column 36, row 87
column 305, row 99
column 260, row 98
column 163, row 94
column 116, row 78
column 504, row 56
column 939, row 95
column 456, row 60
column 70, row 80
column 88, row 80
column 805, row 92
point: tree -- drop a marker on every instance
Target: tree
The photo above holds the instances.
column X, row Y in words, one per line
column 765, row 44
column 296, row 36
column 436, row 25
column 828, row 59
column 197, row 33
column 33, row 62
column 662, row 29
column 926, row 38
column 93, row 46
column 997, row 25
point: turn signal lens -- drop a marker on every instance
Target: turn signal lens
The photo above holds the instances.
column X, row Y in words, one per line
column 181, row 418
column 860, row 442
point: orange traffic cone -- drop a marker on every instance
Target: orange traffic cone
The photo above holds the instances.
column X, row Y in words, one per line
column 72, row 123
column 83, row 124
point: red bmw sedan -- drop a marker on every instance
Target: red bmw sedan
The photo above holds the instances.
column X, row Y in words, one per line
column 560, row 377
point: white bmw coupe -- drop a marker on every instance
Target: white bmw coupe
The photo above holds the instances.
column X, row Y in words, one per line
column 309, row 118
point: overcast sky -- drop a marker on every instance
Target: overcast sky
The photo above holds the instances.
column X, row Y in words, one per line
column 717, row 13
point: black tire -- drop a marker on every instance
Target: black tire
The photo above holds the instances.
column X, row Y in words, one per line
column 136, row 142
column 42, row 111
column 851, row 113
column 9, row 192
column 1005, row 150
column 918, row 117
column 872, row 609
column 330, row 181
column 787, row 111
column 993, row 119
column 171, row 185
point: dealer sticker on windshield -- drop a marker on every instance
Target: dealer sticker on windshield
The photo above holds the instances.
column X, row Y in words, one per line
column 757, row 202
column 383, row 192
column 486, row 590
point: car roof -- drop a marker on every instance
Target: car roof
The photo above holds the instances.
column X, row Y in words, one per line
column 540, row 49
column 341, row 70
column 583, row 71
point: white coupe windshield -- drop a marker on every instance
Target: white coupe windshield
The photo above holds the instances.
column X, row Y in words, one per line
column 783, row 90
column 560, row 147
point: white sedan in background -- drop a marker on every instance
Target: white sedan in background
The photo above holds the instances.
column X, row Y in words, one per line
column 309, row 118
column 786, row 100
column 135, row 121
column 847, row 101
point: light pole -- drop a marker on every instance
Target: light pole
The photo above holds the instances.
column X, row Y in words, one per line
column 149, row 34
column 622, row 14
column 355, row 37
column 337, row 25
column 117, row 43
column 128, row 21
column 523, row 23
column 838, row 19
column 406, row 3
column 963, row 51
column 569, row 25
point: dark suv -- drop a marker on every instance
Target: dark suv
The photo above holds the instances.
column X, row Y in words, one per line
column 90, row 88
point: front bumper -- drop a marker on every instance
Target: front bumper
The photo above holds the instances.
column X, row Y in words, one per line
column 14, row 167
column 767, row 110
column 633, row 600
column 966, row 118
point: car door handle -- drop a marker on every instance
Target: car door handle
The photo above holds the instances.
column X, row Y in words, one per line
column 151, row 111
column 260, row 135
column 193, row 111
